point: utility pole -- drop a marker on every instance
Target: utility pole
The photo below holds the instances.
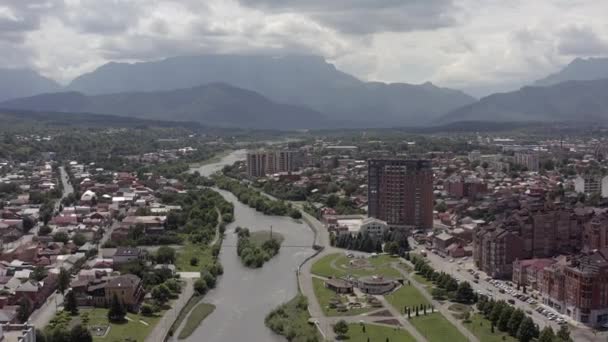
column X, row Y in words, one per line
column 270, row 232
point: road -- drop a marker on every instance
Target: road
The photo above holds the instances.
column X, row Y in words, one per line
column 578, row 332
column 67, row 186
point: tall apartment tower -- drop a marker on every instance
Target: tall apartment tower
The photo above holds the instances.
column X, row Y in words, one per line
column 262, row 163
column 400, row 192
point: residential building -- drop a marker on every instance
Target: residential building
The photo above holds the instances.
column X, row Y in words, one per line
column 400, row 192
column 262, row 163
column 373, row 227
column 125, row 255
column 530, row 272
column 528, row 159
column 589, row 184
column 461, row 187
column 127, row 288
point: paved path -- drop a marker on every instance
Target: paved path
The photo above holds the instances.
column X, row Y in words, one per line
column 404, row 322
column 162, row 327
column 43, row 315
column 440, row 307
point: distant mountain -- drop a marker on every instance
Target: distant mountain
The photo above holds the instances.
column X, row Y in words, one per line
column 298, row 80
column 212, row 105
column 582, row 101
column 578, row 70
column 15, row 83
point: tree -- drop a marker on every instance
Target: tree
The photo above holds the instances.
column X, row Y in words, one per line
column 28, row 224
column 515, row 321
column 200, row 286
column 391, row 248
column 341, row 328
column 147, row 310
column 80, row 334
column 71, row 305
column 173, row 285
column 165, row 255
column 40, row 337
column 161, row 293
column 464, row 293
column 505, row 316
column 547, row 335
column 208, row 278
column 44, row 230
column 38, row 273
column 563, row 334
column 79, row 239
column 117, row 310
column 61, row 237
column 525, row 333
column 63, row 281
column 496, row 311
column 441, row 207
column 23, row 312
column 193, row 261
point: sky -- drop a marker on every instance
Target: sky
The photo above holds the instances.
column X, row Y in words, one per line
column 479, row 46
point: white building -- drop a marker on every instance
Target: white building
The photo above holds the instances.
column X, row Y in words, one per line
column 373, row 226
column 591, row 183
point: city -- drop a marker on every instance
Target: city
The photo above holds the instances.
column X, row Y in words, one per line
column 303, row 171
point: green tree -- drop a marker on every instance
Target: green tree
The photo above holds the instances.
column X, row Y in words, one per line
column 341, row 328
column 505, row 316
column 71, row 305
column 464, row 293
column 61, row 237
column 165, row 255
column 63, row 281
column 80, row 334
column 117, row 311
column 24, row 309
column 525, row 333
column 38, row 273
column 547, row 335
column 28, row 224
column 161, row 294
column 44, row 230
column 392, row 248
column 563, row 334
column 514, row 322
column 200, row 286
column 496, row 311
column 79, row 239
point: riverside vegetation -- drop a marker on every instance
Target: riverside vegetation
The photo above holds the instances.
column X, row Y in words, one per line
column 254, row 254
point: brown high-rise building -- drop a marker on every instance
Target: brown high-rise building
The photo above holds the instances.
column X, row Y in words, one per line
column 400, row 192
column 262, row 163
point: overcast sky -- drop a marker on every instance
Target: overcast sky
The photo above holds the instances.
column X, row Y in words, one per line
column 475, row 45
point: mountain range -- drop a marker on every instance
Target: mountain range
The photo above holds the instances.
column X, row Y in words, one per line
column 293, row 92
column 213, row 104
column 16, row 83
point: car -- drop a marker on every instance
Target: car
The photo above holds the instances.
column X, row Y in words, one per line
column 511, row 301
column 501, row 291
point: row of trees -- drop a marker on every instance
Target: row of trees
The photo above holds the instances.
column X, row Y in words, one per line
column 517, row 324
column 395, row 242
column 250, row 253
column 447, row 286
column 255, row 199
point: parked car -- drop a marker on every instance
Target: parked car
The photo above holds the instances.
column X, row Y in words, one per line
column 511, row 301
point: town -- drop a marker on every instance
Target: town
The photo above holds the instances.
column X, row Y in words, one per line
column 487, row 236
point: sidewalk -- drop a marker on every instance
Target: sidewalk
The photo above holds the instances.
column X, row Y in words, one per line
column 162, row 327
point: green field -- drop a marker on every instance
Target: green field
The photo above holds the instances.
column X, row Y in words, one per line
column 190, row 250
column 377, row 333
column 481, row 327
column 292, row 318
column 132, row 328
column 379, row 265
column 422, row 280
column 195, row 318
column 325, row 295
column 435, row 327
column 406, row 295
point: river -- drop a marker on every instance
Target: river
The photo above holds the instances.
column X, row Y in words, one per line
column 245, row 296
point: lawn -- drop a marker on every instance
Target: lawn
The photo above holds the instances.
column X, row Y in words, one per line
column 377, row 333
column 293, row 318
column 195, row 318
column 422, row 280
column 406, row 295
column 379, row 265
column 481, row 327
column 133, row 327
column 190, row 250
column 325, row 295
column 262, row 236
column 435, row 327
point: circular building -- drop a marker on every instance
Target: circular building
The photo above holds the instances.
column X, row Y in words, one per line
column 376, row 285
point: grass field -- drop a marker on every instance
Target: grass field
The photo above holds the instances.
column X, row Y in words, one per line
column 379, row 265
column 198, row 314
column 406, row 295
column 325, row 295
column 292, row 318
column 481, row 327
column 422, row 280
column 132, row 328
column 262, row 236
column 377, row 333
column 435, row 327
column 185, row 311
column 190, row 250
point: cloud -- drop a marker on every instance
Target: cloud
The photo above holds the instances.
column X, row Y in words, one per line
column 367, row 17
column 579, row 41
